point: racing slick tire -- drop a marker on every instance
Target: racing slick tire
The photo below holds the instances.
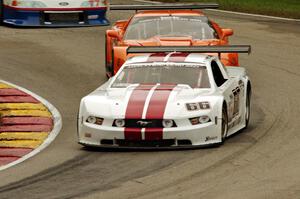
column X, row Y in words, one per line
column 224, row 127
column 108, row 66
column 248, row 104
column 1, row 11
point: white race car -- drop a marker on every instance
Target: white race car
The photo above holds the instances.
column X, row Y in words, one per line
column 174, row 99
column 54, row 12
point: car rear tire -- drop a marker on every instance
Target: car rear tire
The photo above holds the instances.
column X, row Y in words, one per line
column 248, row 105
column 224, row 127
column 112, row 62
column 108, row 65
column 1, row 11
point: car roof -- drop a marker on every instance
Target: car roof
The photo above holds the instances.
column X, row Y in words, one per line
column 176, row 57
column 168, row 12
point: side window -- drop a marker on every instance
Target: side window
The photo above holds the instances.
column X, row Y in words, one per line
column 218, row 76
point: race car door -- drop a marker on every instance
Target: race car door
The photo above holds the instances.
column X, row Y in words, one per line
column 231, row 91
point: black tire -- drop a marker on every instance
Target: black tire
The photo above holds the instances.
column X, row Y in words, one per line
column 1, row 11
column 248, row 105
column 106, row 62
column 224, row 128
column 112, row 62
column 77, row 125
column 109, row 68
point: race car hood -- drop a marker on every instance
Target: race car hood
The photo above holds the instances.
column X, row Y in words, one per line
column 149, row 102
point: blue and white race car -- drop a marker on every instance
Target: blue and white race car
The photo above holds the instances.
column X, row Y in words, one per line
column 54, row 13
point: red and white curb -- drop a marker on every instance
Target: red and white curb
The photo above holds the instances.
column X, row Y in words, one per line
column 56, row 127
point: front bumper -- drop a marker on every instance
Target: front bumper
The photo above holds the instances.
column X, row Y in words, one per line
column 202, row 135
column 179, row 147
column 52, row 18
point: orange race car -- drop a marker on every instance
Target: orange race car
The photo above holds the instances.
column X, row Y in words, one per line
column 164, row 25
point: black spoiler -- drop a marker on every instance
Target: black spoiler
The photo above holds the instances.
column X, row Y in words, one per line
column 190, row 49
column 165, row 6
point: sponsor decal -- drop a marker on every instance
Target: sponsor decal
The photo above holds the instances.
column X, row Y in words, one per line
column 241, row 84
column 210, row 138
column 174, row 18
column 236, row 99
column 236, row 121
column 204, row 105
column 63, row 3
column 166, row 65
column 143, row 123
column 192, row 106
column 242, row 87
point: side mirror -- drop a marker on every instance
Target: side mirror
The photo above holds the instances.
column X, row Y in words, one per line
column 113, row 34
column 226, row 32
column 121, row 23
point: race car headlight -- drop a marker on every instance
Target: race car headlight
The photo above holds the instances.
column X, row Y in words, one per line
column 94, row 120
column 200, row 120
column 28, row 4
column 204, row 119
column 167, row 123
column 119, row 123
column 197, row 106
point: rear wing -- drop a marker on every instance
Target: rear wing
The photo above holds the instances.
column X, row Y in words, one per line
column 190, row 49
column 165, row 6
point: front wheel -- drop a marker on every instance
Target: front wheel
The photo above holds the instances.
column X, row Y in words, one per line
column 247, row 111
column 224, row 124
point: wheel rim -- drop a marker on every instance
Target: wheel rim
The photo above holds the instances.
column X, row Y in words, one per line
column 224, row 125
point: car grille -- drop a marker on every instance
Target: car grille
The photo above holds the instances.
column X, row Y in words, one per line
column 146, row 143
column 143, row 123
column 60, row 18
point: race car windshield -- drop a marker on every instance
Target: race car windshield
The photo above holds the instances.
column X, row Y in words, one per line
column 197, row 27
column 194, row 76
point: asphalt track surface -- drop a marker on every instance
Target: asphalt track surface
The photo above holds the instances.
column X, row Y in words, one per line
column 63, row 65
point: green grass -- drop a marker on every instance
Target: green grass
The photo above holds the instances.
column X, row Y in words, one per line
column 281, row 8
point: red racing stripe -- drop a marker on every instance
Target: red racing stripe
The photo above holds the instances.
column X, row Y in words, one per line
column 178, row 57
column 152, row 134
column 156, row 110
column 135, row 109
column 157, row 57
